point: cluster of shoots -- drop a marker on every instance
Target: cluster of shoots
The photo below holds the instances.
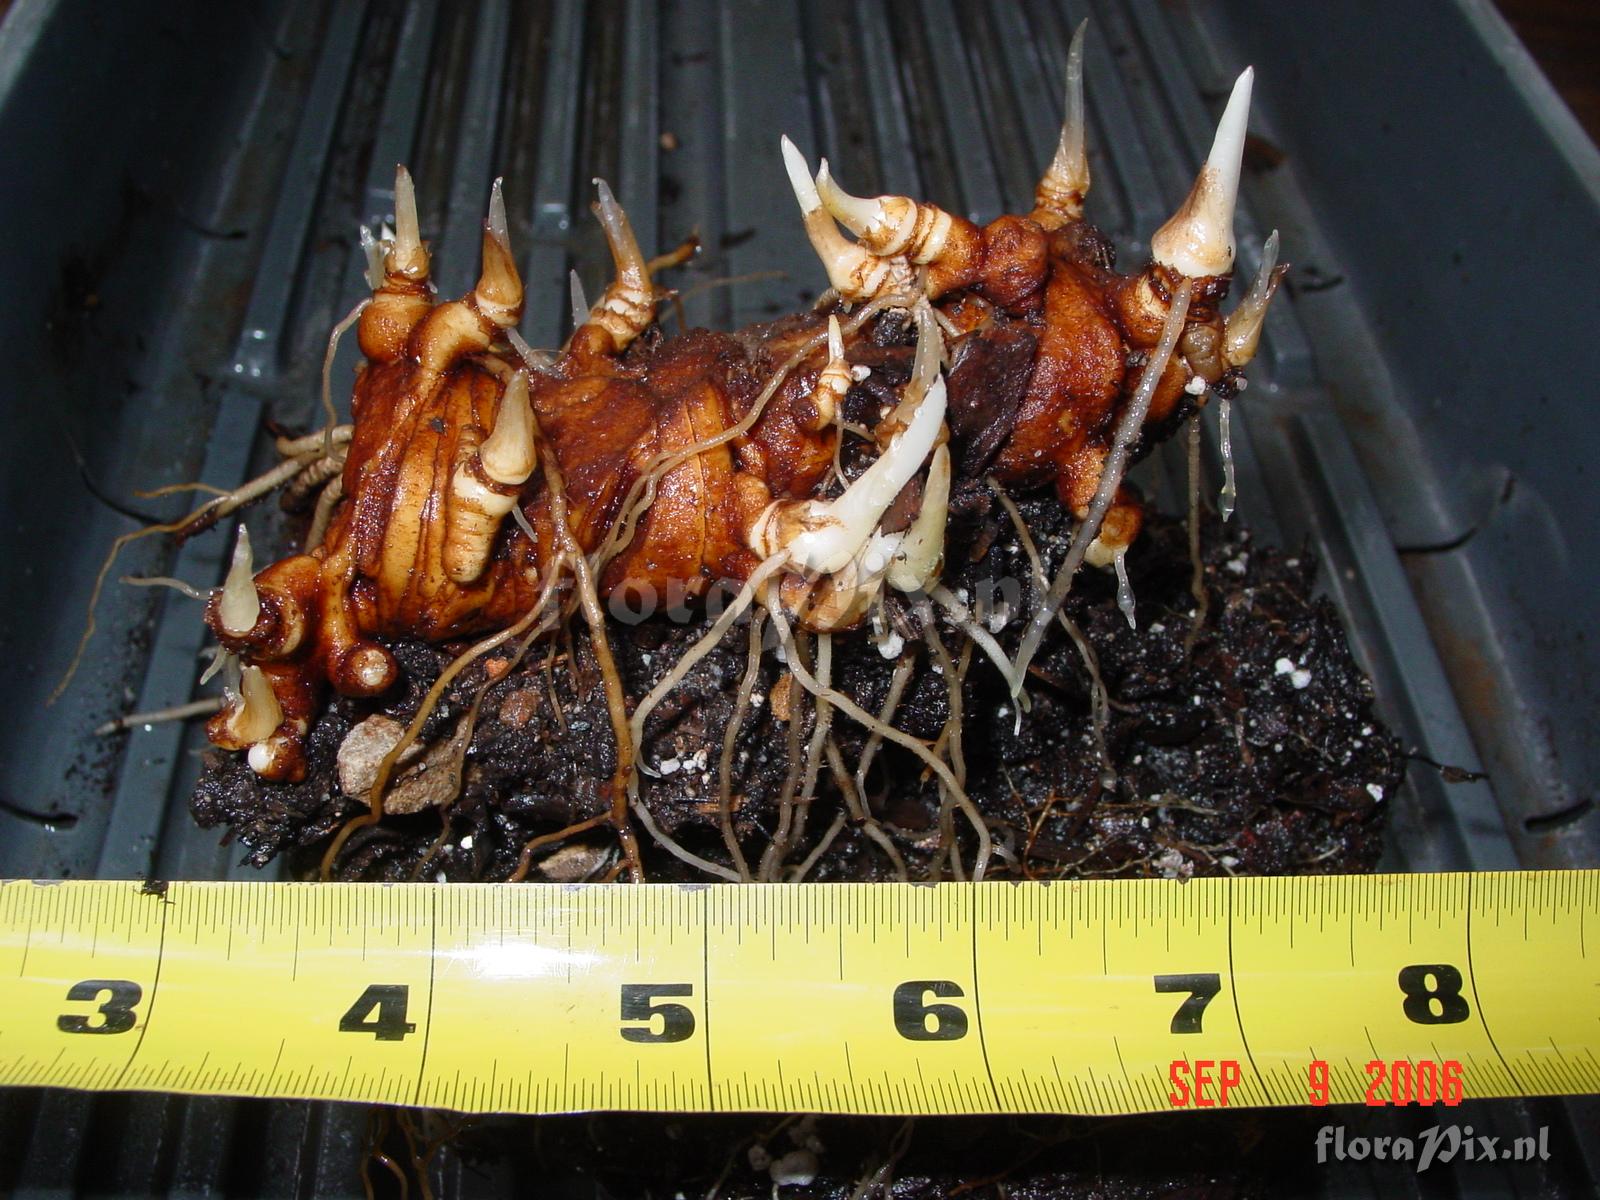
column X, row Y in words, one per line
column 826, row 560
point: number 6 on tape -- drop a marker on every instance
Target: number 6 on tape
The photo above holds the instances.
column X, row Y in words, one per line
column 919, row 1021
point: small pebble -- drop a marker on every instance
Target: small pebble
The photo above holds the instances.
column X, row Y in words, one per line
column 1173, row 865
column 1299, row 676
column 796, row 1167
column 780, row 697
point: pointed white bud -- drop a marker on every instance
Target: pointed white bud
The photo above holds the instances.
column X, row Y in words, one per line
column 220, row 662
column 258, row 714
column 508, row 454
column 406, row 256
column 1066, row 180
column 805, row 187
column 854, row 273
column 498, row 294
column 1242, row 333
column 833, row 381
column 534, row 360
column 407, row 229
column 925, row 366
column 373, row 250
column 628, row 305
column 888, row 225
column 855, row 213
column 916, row 565
column 632, row 270
column 885, row 224
column 837, row 530
column 1070, row 148
column 497, row 215
column 1198, row 240
column 929, row 356
column 240, row 606
column 579, row 301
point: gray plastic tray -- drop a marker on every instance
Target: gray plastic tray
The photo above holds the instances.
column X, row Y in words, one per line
column 181, row 190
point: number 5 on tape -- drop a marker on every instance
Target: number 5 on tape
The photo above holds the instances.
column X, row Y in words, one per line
column 540, row 1005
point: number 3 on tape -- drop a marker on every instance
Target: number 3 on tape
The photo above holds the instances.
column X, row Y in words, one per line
column 116, row 1010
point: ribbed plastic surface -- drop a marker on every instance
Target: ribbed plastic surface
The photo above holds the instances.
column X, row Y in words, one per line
column 183, row 188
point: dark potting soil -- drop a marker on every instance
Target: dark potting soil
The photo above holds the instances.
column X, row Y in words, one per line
column 1256, row 751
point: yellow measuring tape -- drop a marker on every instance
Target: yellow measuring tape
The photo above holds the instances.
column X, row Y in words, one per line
column 1093, row 997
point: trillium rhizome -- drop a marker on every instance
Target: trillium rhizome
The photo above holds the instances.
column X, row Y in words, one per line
column 640, row 604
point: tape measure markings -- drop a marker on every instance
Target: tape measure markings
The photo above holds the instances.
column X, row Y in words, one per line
column 433, row 971
column 977, row 1013
column 150, row 1008
column 1472, row 979
column 862, row 998
column 1238, row 1017
column 705, row 982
